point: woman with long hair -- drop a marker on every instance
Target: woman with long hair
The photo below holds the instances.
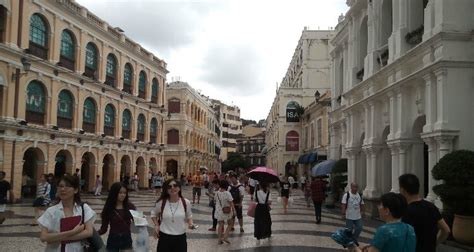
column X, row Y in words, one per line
column 68, row 207
column 171, row 215
column 262, row 221
column 116, row 214
column 285, row 186
column 223, row 199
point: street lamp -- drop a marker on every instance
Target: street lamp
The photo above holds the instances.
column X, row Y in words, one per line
column 26, row 67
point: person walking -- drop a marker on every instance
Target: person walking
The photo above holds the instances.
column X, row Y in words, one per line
column 224, row 211
column 307, row 194
column 42, row 199
column 211, row 192
column 5, row 195
column 171, row 215
column 394, row 235
column 116, row 213
column 135, row 181
column 291, row 180
column 158, row 182
column 68, row 207
column 318, row 194
column 150, row 182
column 252, row 184
column 262, row 222
column 352, row 210
column 424, row 216
column 237, row 191
column 98, row 186
column 303, row 181
column 197, row 186
column 54, row 190
column 285, row 193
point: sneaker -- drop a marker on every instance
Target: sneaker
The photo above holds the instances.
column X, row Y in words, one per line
column 211, row 229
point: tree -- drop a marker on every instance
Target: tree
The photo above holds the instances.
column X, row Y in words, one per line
column 234, row 162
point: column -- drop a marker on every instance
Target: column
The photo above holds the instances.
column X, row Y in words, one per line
column 432, row 159
column 402, row 152
column 393, row 115
column 368, row 163
column 351, row 166
column 395, row 168
column 368, row 129
column 441, row 102
column 430, row 102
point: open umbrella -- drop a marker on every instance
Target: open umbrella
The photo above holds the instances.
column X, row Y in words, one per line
column 263, row 174
column 203, row 168
column 323, row 168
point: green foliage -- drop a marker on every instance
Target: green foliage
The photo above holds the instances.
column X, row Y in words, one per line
column 300, row 110
column 233, row 162
column 339, row 178
column 456, row 170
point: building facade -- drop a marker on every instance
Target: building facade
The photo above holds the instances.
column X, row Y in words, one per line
column 402, row 84
column 251, row 143
column 315, row 128
column 75, row 93
column 231, row 126
column 308, row 72
column 192, row 131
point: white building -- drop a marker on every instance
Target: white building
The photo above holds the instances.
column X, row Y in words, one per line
column 402, row 85
column 308, row 72
column 231, row 125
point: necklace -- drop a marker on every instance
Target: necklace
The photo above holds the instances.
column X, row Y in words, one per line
column 173, row 212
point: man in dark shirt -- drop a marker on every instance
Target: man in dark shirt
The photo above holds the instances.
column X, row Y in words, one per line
column 430, row 228
column 318, row 194
column 4, row 189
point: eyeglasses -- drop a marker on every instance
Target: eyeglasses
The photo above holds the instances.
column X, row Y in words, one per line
column 172, row 186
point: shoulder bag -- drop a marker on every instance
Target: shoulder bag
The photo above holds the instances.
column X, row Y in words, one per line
column 226, row 209
column 95, row 242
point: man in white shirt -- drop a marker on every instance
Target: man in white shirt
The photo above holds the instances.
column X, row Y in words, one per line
column 292, row 181
column 352, row 210
column 303, row 182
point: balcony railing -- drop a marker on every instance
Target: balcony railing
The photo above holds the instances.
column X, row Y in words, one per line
column 141, row 137
column 154, row 99
column 110, row 81
column 38, row 50
column 416, row 36
column 141, row 94
column 89, row 72
column 109, row 131
column 127, row 88
column 126, row 134
column 34, row 117
column 152, row 139
column 88, row 127
column 64, row 123
column 67, row 63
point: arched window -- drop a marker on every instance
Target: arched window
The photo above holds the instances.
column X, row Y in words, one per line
column 89, row 116
column 126, row 124
column 174, row 105
column 111, row 70
column 153, row 130
column 292, row 141
column 91, row 61
column 142, row 85
column 67, row 57
column 109, row 120
column 154, row 91
column 141, row 127
column 65, row 109
column 127, row 78
column 38, row 36
column 35, row 102
column 173, row 136
column 292, row 114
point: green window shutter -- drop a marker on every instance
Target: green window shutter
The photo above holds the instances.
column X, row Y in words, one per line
column 67, row 45
column 89, row 111
column 111, row 66
column 65, row 105
column 35, row 97
column 91, row 56
column 109, row 117
column 153, row 127
column 38, row 31
column 126, row 120
column 142, row 81
column 141, row 124
column 127, row 75
column 154, row 88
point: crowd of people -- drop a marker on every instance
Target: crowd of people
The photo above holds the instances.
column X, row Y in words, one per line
column 411, row 223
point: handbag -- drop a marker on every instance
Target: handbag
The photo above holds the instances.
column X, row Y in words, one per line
column 225, row 209
column 95, row 242
column 251, row 209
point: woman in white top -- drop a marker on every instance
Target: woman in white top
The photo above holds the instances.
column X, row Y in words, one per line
column 262, row 221
column 171, row 214
column 68, row 206
column 223, row 199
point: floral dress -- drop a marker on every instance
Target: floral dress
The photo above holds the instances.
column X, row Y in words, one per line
column 222, row 199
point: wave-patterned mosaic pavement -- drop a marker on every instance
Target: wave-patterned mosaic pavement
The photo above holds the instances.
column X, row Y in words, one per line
column 296, row 230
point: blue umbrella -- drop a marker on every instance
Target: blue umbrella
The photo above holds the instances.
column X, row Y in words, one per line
column 323, row 168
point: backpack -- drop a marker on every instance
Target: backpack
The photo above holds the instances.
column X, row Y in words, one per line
column 163, row 204
column 348, row 195
column 235, row 192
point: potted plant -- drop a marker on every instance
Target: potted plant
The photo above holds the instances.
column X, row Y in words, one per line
column 456, row 170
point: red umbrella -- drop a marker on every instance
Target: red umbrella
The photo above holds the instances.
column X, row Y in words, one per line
column 264, row 174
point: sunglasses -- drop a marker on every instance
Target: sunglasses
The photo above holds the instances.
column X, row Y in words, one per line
column 172, row 186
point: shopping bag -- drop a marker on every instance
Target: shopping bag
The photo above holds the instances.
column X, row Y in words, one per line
column 251, row 209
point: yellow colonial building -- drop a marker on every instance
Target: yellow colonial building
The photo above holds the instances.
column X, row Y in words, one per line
column 75, row 93
column 192, row 131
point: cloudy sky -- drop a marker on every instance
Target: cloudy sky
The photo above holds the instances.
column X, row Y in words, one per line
column 232, row 50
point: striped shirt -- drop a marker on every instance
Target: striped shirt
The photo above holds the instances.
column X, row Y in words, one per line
column 42, row 190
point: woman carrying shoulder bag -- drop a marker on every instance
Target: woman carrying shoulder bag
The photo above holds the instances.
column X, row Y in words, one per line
column 224, row 211
column 171, row 215
column 116, row 213
column 263, row 221
column 65, row 225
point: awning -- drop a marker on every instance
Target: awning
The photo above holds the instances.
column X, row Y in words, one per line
column 306, row 158
column 312, row 158
column 300, row 159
